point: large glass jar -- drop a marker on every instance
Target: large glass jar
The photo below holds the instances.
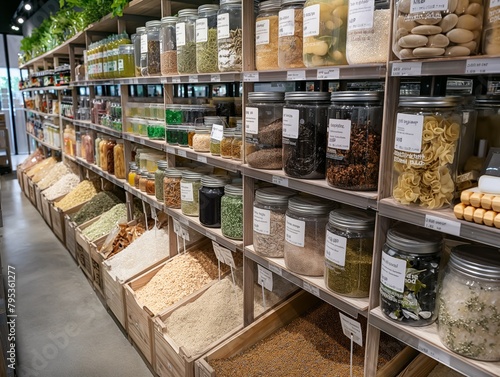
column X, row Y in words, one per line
column 229, row 36
column 159, row 177
column 305, row 222
column 143, row 180
column 325, row 27
column 153, row 35
column 103, row 157
column 425, row 149
column 190, row 188
column 237, row 146
column 201, row 140
column 409, row 275
column 126, row 60
column 110, row 156
column 354, row 135
column 141, row 52
column 263, row 130
column 206, row 39
column 305, row 118
column 468, row 303
column 269, row 209
column 426, row 30
column 225, row 143
column 266, row 35
column 88, row 147
column 172, row 188
column 119, row 160
column 491, row 33
column 185, row 35
column 211, row 191
column 290, row 37
column 488, row 120
column 349, row 251
column 367, row 36
column 168, row 43
column 232, row 212
column 156, row 130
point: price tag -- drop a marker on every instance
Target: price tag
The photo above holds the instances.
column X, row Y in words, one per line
column 176, row 79
column 275, row 269
column 417, row 6
column 217, row 253
column 153, row 212
column 214, row 78
column 296, row 75
column 170, row 150
column 281, row 181
column 442, row 225
column 409, row 128
column 228, row 256
column 217, row 132
column 339, row 134
column 311, row 289
column 202, row 159
column 350, row 327
column 251, row 76
column 177, row 227
column 360, row 14
column 184, row 233
column 328, row 74
column 406, row 69
column 265, row 278
column 193, row 78
column 164, row 81
column 210, row 235
column 181, row 153
column 142, row 142
column 474, row 66
column 439, row 356
column 184, row 221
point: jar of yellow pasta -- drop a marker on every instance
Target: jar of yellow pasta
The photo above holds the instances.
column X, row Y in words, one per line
column 425, row 150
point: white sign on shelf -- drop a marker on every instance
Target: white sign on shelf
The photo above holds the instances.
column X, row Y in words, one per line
column 442, row 356
column 181, row 153
column 251, row 76
column 223, row 254
column 193, row 78
column 275, row 269
column 406, row 69
column 328, row 74
column 217, row 132
column 351, row 327
column 296, row 75
column 475, row 66
column 442, row 225
column 311, row 289
column 280, row 181
column 170, row 150
column 202, row 159
column 214, row 78
column 265, row 277
column 176, row 79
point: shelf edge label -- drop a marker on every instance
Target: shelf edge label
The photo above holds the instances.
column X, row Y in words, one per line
column 442, row 225
column 475, row 66
column 406, row 69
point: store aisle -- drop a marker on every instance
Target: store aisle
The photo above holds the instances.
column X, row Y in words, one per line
column 62, row 328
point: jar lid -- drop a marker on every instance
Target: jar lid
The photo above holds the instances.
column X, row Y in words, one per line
column 140, row 29
column 273, row 195
column 214, row 181
column 236, row 190
column 422, row 101
column 207, row 8
column 355, row 96
column 222, row 2
column 192, row 175
column 169, row 19
column 173, row 173
column 476, row 260
column 488, row 100
column 414, row 240
column 228, row 132
column 151, row 176
column 266, row 96
column 162, row 164
column 187, row 12
column 307, row 96
column 288, row 2
column 269, row 5
column 153, row 23
column 144, row 173
column 352, row 219
column 309, row 205
column 204, row 130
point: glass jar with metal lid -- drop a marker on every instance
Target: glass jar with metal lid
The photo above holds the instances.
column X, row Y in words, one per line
column 491, row 33
column 126, row 60
column 211, row 192
column 232, row 212
column 349, row 251
column 190, row 188
column 132, row 172
column 216, row 136
column 206, row 39
column 150, row 184
column 266, row 35
column 172, row 188
column 159, row 176
column 488, row 119
column 354, row 135
column 119, row 160
column 263, row 130
column 305, row 119
column 269, row 209
column 168, row 54
column 201, row 140
column 186, row 40
column 141, row 52
column 409, row 272
column 229, row 36
column 290, row 54
column 237, row 146
column 143, row 180
column 153, row 34
column 305, row 222
column 425, row 150
column 468, row 302
column 225, row 143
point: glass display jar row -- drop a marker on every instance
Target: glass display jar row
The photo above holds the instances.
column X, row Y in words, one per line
column 112, row 57
column 153, row 111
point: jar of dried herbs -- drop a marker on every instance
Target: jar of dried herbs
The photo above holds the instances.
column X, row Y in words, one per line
column 229, row 36
column 211, row 192
column 185, row 34
column 349, row 251
column 469, row 294
column 290, row 34
column 172, row 188
column 159, row 176
column 232, row 212
column 168, row 64
column 305, row 222
column 409, row 275
column 269, row 209
column 190, row 188
column 263, row 130
column 206, row 39
column 225, row 143
column 354, row 134
column 305, row 118
column 156, row 130
column 266, row 35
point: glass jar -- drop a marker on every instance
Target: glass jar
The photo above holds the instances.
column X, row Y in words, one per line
column 153, row 45
column 126, row 60
column 290, row 37
column 426, row 143
column 141, row 52
column 168, row 44
column 190, row 188
column 110, row 156
column 137, row 178
column 232, row 212
column 143, row 180
column 491, row 33
column 87, row 147
column 263, row 130
column 349, row 252
column 354, row 136
column 103, row 155
column 171, row 135
column 172, row 188
column 173, row 114
column 421, row 31
column 186, row 40
column 182, row 136
column 305, row 118
column 325, row 28
column 215, row 138
column 119, row 160
column 488, row 120
column 237, row 146
column 156, row 130
column 206, row 39
column 269, row 209
column 159, row 177
column 78, row 138
column 225, row 143
column 97, row 155
column 266, row 35
column 150, row 184
column 201, row 140
column 132, row 172
column 409, row 275
column 211, row 191
column 191, row 132
column 468, row 303
column 229, row 36
column 305, row 222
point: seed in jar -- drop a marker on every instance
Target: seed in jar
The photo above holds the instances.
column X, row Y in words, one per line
column 406, row 53
column 426, row 30
column 404, row 6
column 460, row 35
column 448, row 22
column 438, row 40
column 474, row 9
column 470, row 45
column 402, row 32
column 461, row 7
column 466, row 21
column 412, row 41
column 426, row 52
column 430, row 20
column 452, row 5
column 457, row 51
column 403, row 22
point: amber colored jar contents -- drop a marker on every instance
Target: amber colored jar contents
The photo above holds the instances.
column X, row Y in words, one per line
column 119, row 161
column 150, row 184
column 172, row 188
column 143, row 182
column 110, row 157
column 102, row 155
column 137, row 179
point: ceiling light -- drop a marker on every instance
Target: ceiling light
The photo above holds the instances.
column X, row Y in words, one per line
column 27, row 6
column 14, row 27
column 20, row 20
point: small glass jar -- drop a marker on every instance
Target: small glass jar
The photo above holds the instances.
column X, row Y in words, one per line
column 232, row 212
column 237, row 146
column 269, row 209
column 173, row 114
column 211, row 191
column 172, row 188
column 78, row 136
column 186, row 40
column 110, row 156
column 87, row 147
column 126, row 60
column 290, row 50
column 468, row 303
column 137, row 178
column 354, row 137
column 132, row 172
column 141, row 52
column 143, row 180
column 201, row 140
column 305, row 119
column 266, row 35
column 409, row 275
column 229, row 36
column 214, row 147
column 190, row 188
column 182, row 136
column 206, row 39
column 168, row 63
column 156, row 130
column 103, row 158
column 119, row 160
column 171, row 135
column 150, row 184
column 349, row 252
column 491, row 33
column 153, row 35
column 159, row 177
column 225, row 143
column 191, row 132
column 97, row 149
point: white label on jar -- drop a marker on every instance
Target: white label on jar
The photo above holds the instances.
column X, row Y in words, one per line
column 252, row 120
column 361, row 14
column 217, row 132
column 265, row 277
column 417, row 6
column 223, row 26
column 201, row 30
column 295, row 231
column 466, row 116
column 393, row 272
column 409, row 129
column 335, row 248
column 180, row 33
column 262, row 221
column 351, row 328
column 494, row 3
column 262, row 32
column 286, row 23
column 144, row 43
column 120, row 65
column 311, row 20
column 339, row 134
column 291, row 123
column 187, row 192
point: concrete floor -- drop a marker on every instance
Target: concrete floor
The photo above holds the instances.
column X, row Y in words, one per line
column 62, row 328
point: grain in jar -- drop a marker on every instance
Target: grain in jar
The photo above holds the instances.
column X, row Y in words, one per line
column 225, row 143
column 216, row 136
column 110, row 156
column 137, row 178
column 168, row 57
column 211, row 192
column 190, row 188
column 172, row 188
column 153, row 38
column 201, row 140
column 232, row 212
column 143, row 180
column 491, row 33
column 237, row 146
column 159, row 177
column 186, row 40
column 206, row 39
column 150, row 184
column 119, row 160
column 229, row 36
column 266, row 35
column 290, row 34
